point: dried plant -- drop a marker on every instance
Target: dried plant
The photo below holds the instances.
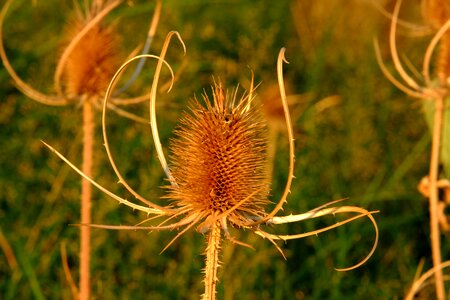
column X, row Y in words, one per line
column 84, row 69
column 434, row 94
column 218, row 175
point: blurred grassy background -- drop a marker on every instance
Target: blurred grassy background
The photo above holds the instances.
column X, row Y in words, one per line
column 357, row 137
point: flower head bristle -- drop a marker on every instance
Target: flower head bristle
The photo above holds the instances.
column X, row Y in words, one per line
column 219, row 159
column 93, row 61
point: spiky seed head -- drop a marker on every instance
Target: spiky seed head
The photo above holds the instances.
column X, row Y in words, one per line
column 92, row 63
column 219, row 159
column 436, row 12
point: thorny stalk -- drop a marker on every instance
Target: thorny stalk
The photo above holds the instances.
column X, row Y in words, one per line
column 433, row 176
column 434, row 196
column 212, row 262
column 86, row 195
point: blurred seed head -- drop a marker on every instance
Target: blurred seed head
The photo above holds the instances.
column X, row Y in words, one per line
column 436, row 12
column 93, row 61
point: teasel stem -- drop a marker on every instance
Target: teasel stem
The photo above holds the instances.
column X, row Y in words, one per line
column 86, row 194
column 212, row 262
column 439, row 104
column 434, row 196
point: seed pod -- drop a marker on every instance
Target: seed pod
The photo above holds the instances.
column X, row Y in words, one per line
column 436, row 13
column 219, row 159
column 92, row 63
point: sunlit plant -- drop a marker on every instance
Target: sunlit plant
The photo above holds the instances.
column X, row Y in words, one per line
column 83, row 71
column 433, row 93
column 218, row 179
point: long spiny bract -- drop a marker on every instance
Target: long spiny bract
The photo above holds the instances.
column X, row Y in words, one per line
column 219, row 158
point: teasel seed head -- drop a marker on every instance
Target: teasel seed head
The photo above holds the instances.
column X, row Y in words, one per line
column 219, row 159
column 436, row 13
column 93, row 61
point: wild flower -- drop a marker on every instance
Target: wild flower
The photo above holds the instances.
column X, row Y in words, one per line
column 218, row 179
column 83, row 71
column 434, row 96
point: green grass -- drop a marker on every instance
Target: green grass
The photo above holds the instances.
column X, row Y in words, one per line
column 371, row 147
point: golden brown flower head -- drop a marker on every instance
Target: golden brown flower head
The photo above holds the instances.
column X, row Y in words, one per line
column 219, row 159
column 92, row 63
column 436, row 12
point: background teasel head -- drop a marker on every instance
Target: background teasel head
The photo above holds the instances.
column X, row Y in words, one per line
column 92, row 61
column 88, row 57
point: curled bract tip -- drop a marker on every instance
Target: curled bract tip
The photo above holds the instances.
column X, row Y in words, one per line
column 282, row 56
column 325, row 210
column 173, row 32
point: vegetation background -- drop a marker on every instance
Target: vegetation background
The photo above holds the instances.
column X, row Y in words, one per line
column 357, row 137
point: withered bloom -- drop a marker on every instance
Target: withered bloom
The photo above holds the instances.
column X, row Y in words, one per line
column 92, row 62
column 219, row 159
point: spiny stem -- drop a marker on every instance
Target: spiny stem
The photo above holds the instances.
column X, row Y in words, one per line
column 86, row 192
column 434, row 197
column 212, row 262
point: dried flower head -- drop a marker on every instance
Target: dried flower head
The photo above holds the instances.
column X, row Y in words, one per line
column 92, row 62
column 219, row 158
column 218, row 173
column 411, row 86
column 88, row 60
column 435, row 12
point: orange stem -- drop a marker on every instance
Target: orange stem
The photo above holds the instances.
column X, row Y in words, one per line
column 434, row 197
column 86, row 192
column 212, row 262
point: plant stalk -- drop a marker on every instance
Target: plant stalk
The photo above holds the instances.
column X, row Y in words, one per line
column 434, row 197
column 86, row 194
column 212, row 262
